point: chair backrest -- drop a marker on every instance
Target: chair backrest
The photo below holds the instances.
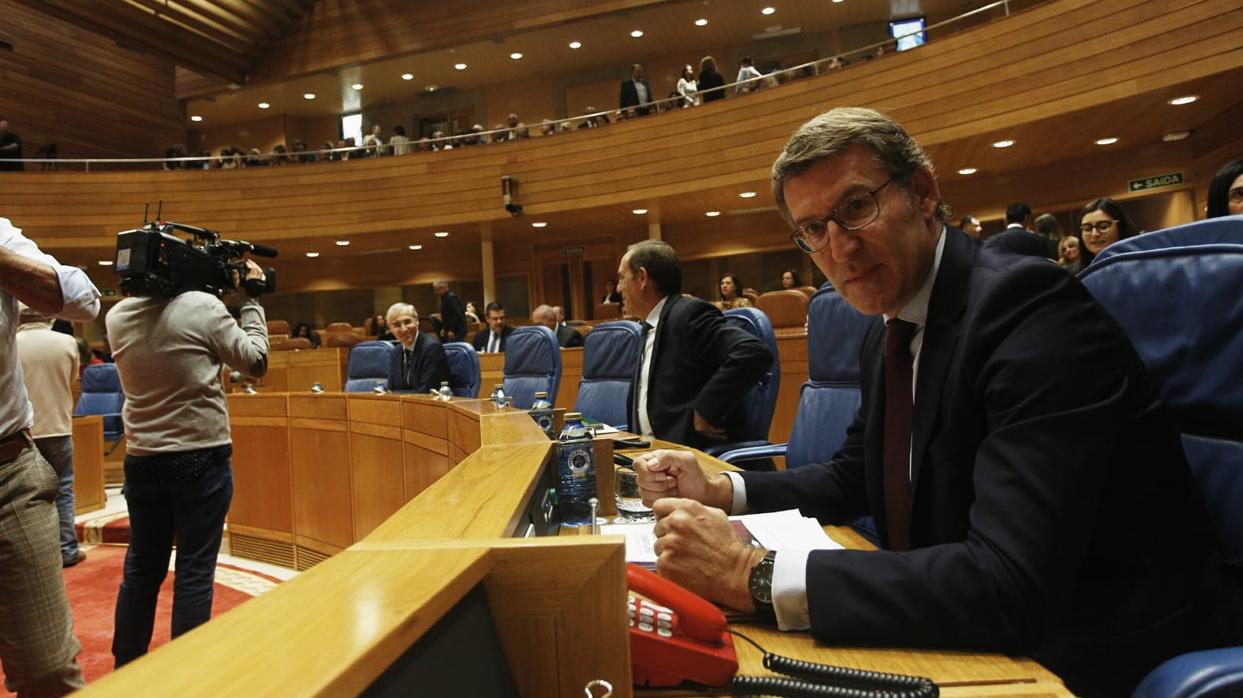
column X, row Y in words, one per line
column 341, row 339
column 784, row 309
column 463, row 369
column 830, row 398
column 1178, row 295
column 369, row 365
column 760, row 402
column 532, row 364
column 101, row 394
column 278, row 327
column 606, row 311
column 808, row 291
column 339, row 327
column 284, row 343
column 610, row 361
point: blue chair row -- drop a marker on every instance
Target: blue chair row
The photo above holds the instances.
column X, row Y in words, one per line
column 370, row 363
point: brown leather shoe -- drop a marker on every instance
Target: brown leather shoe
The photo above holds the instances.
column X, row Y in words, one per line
column 77, row 557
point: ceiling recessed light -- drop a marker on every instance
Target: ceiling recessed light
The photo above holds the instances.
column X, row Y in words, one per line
column 357, row 86
column 516, row 56
column 768, row 10
column 431, row 88
column 407, row 76
column 312, row 254
column 1180, row 101
column 837, row 1
column 459, row 66
column 264, row 105
column 539, row 224
column 712, row 214
column 637, row 33
column 639, row 211
column 441, row 233
column 747, row 195
column 1175, row 136
column 105, row 262
column 416, row 247
column 701, row 22
column 308, row 95
column 967, row 171
column 196, row 118
column 1106, row 141
column 343, row 243
column 576, row 44
column 1003, row 143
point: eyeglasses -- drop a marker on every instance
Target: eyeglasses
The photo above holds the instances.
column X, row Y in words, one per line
column 856, row 211
column 1236, row 194
column 1099, row 226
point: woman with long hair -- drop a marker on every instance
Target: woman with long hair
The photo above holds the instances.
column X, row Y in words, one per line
column 711, row 83
column 1100, row 224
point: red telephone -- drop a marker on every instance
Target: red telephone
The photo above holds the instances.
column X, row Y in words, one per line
column 676, row 636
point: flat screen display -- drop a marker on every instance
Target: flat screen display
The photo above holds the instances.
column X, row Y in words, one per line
column 909, row 32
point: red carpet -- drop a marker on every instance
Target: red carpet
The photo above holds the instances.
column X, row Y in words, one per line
column 112, row 529
column 92, row 587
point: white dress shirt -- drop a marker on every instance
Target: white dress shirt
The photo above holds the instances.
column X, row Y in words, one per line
column 645, row 370
column 81, row 304
column 790, row 568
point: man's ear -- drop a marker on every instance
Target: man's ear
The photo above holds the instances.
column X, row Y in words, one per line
column 927, row 192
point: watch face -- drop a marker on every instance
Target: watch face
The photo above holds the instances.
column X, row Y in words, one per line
column 761, row 581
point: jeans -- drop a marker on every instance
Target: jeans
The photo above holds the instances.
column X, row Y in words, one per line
column 185, row 495
column 37, row 646
column 58, row 450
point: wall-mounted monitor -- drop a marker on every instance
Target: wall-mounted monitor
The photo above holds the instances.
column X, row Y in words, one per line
column 909, row 32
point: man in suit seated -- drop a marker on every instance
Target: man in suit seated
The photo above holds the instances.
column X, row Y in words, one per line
column 566, row 336
column 420, row 366
column 492, row 338
column 1018, row 236
column 695, row 367
column 1028, row 501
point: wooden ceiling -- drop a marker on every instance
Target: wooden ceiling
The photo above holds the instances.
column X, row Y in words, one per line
column 222, row 39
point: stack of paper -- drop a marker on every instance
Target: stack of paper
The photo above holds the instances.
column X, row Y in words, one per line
column 779, row 530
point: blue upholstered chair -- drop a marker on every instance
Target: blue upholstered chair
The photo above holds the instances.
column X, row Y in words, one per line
column 610, row 361
column 830, row 398
column 532, row 364
column 1178, row 294
column 463, row 369
column 369, row 365
column 101, row 395
column 759, row 403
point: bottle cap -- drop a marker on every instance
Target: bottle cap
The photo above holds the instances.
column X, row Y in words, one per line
column 499, row 385
column 541, row 394
column 444, row 384
column 569, row 416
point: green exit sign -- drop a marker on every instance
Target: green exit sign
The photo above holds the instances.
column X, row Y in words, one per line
column 1165, row 180
column 572, row 250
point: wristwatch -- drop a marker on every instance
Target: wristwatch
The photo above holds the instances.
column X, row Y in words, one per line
column 760, row 582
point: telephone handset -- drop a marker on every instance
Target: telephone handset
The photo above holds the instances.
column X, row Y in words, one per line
column 676, row 636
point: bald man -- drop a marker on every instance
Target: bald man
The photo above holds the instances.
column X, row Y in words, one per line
column 567, row 337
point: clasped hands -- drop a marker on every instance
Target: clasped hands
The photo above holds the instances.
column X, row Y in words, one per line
column 696, row 546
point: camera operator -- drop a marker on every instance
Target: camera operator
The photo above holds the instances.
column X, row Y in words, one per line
column 37, row 646
column 178, row 480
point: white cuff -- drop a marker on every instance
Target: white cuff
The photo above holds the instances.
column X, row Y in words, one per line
column 739, row 505
column 790, row 589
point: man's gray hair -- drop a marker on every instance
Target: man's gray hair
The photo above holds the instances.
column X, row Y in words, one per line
column 543, row 312
column 837, row 131
column 397, row 309
column 440, row 283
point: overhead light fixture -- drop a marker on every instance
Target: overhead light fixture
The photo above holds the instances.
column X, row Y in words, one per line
column 407, row 76
column 343, row 243
column 1187, row 99
column 312, row 254
column 967, row 171
column 837, row 1
column 431, row 88
column 1003, row 143
column 1175, row 136
column 264, row 105
column 105, row 262
column 1106, row 141
column 637, row 33
column 701, row 22
column 768, row 10
column 459, row 66
column 747, row 195
column 416, row 248
column 638, row 211
column 357, row 86
column 308, row 95
column 516, row 56
column 712, row 214
column 576, row 44
column 196, row 118
column 441, row 233
column 539, row 224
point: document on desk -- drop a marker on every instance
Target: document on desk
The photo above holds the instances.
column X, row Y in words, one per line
column 779, row 530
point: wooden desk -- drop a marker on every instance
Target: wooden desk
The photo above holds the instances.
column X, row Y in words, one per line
column 88, row 464
column 297, row 370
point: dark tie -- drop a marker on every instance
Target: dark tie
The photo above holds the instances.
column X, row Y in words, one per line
column 638, row 376
column 408, row 370
column 898, row 403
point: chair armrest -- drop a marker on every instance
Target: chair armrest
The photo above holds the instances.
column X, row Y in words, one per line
column 747, row 453
column 1210, row 672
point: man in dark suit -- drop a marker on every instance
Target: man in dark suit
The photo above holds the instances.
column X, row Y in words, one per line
column 452, row 313
column 492, row 338
column 695, row 367
column 1028, row 501
column 420, row 366
column 567, row 337
column 1018, row 237
column 635, row 91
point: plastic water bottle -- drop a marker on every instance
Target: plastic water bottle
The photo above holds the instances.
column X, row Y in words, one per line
column 543, row 414
column 445, row 393
column 576, row 463
column 498, row 395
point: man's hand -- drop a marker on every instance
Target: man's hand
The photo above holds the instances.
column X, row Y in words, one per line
column 666, row 473
column 254, row 271
column 708, row 429
column 697, row 548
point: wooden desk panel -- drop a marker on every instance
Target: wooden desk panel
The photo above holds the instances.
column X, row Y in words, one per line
column 491, row 372
column 571, row 374
column 377, row 465
column 297, row 370
column 425, row 453
column 319, row 452
column 261, row 518
column 88, row 464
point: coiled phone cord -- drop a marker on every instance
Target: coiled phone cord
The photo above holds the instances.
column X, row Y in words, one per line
column 811, row 680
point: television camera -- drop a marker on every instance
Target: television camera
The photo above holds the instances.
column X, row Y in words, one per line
column 153, row 261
